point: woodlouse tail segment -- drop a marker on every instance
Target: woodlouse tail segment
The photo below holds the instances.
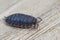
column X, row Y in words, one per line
column 4, row 18
column 39, row 19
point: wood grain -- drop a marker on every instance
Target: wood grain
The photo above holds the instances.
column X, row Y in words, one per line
column 48, row 10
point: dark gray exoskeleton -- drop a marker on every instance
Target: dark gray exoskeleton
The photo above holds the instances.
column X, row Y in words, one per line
column 22, row 21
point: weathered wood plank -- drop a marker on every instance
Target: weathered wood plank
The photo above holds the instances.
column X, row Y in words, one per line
column 48, row 10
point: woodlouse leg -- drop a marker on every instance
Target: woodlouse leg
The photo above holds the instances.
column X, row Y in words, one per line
column 32, row 26
column 13, row 25
column 36, row 25
column 25, row 26
column 20, row 26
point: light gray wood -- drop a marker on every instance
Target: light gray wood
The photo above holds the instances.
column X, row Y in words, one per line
column 48, row 10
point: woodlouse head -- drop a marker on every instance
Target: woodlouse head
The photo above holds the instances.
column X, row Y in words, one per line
column 39, row 19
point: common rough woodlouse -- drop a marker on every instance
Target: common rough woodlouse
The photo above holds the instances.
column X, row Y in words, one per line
column 22, row 20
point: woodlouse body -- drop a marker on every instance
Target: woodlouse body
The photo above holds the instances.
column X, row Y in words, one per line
column 21, row 20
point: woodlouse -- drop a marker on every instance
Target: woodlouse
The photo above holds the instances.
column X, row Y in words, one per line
column 22, row 20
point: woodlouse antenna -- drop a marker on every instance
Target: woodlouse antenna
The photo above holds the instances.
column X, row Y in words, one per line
column 39, row 19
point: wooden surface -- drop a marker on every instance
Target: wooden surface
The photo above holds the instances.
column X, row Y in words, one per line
column 49, row 27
